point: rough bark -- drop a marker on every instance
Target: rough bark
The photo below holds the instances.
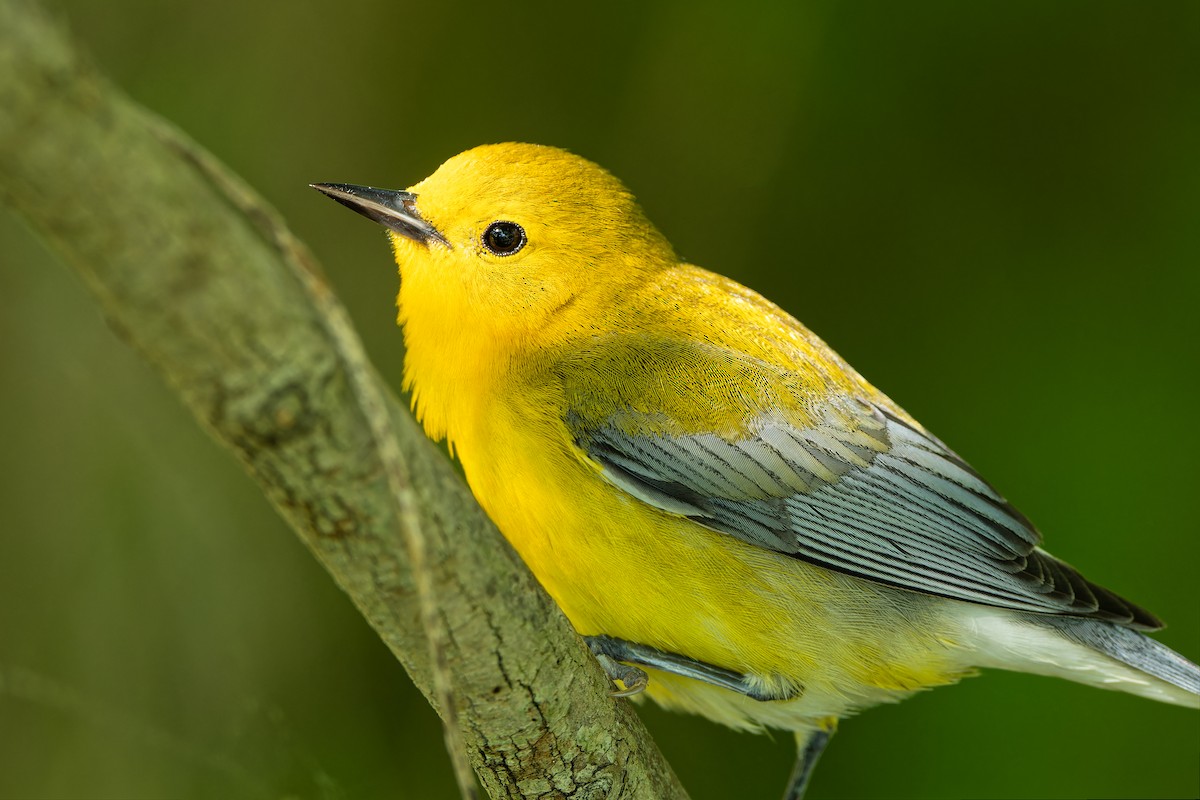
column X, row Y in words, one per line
column 197, row 274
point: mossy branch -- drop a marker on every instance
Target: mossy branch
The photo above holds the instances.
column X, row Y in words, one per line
column 206, row 283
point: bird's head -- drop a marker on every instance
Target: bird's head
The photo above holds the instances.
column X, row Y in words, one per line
column 507, row 253
column 505, row 238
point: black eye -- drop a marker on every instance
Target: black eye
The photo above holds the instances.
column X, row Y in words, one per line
column 504, row 238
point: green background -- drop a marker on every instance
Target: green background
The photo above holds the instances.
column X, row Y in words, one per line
column 991, row 209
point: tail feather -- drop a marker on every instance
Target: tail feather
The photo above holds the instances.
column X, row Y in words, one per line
column 1131, row 648
column 1092, row 651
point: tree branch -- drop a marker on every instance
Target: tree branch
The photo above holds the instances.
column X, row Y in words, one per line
column 201, row 277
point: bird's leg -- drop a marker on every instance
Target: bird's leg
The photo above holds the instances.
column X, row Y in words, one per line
column 809, row 746
column 618, row 656
column 610, row 651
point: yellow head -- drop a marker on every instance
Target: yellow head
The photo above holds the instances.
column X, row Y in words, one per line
column 496, row 251
column 527, row 229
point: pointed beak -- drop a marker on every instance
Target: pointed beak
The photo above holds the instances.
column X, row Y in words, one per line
column 392, row 209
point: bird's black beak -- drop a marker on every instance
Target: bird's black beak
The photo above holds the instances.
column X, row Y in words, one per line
column 392, row 209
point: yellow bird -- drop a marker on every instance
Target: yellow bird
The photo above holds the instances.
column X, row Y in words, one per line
column 731, row 516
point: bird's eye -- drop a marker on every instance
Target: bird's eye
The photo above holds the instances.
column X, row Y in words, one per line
column 504, row 238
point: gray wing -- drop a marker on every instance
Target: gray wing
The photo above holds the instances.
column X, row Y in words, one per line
column 877, row 499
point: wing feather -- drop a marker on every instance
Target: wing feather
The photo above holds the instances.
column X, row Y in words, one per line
column 863, row 492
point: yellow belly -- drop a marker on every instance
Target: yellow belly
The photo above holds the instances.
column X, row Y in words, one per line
column 619, row 567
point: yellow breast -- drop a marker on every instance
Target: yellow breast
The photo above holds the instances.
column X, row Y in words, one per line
column 619, row 567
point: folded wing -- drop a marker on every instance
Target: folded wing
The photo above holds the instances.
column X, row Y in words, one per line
column 861, row 492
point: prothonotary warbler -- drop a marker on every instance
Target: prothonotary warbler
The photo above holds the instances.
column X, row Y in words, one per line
column 731, row 516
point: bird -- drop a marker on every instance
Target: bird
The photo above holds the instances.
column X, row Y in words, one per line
column 737, row 523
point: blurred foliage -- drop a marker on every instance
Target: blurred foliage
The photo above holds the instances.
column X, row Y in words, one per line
column 988, row 208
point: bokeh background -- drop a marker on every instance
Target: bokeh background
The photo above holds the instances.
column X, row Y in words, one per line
column 991, row 209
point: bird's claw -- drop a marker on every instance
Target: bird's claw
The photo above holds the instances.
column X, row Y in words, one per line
column 630, row 677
